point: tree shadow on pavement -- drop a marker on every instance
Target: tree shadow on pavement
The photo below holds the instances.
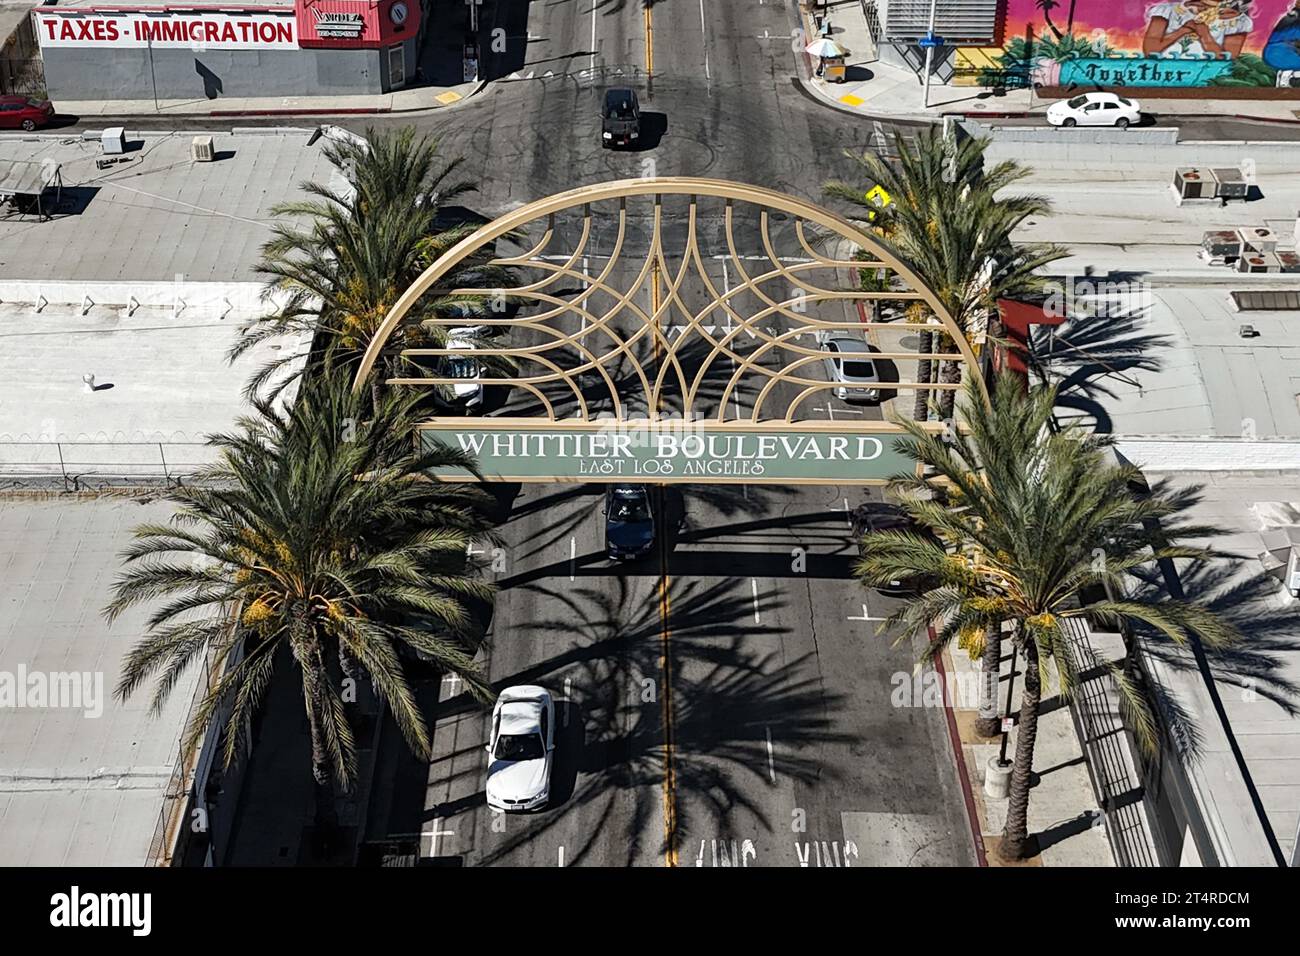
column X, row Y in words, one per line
column 725, row 690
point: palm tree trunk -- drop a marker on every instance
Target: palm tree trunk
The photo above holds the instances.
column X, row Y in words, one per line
column 950, row 374
column 988, row 723
column 925, row 344
column 306, row 651
column 1015, row 843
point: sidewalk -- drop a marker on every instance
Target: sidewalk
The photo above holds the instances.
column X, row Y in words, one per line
column 418, row 99
column 879, row 90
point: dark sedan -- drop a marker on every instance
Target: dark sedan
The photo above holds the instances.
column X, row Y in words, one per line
column 629, row 522
column 876, row 516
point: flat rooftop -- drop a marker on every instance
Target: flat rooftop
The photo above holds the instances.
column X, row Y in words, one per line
column 159, row 215
column 1254, row 512
column 162, row 382
column 1175, row 364
column 76, row 788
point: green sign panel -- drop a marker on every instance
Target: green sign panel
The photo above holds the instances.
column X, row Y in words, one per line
column 756, row 455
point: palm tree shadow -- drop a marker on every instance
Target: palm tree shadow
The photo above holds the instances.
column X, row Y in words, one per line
column 1255, row 667
column 724, row 693
column 1094, row 353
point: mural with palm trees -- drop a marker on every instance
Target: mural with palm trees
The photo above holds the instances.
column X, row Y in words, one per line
column 1193, row 43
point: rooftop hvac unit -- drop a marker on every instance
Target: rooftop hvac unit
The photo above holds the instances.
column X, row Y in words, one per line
column 1259, row 238
column 1193, row 183
column 1231, row 184
column 201, row 150
column 113, row 140
column 1259, row 262
column 1221, row 247
column 1290, row 260
column 1222, row 184
column 1281, row 555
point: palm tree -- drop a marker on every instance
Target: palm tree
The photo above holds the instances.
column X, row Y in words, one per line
column 340, row 260
column 1033, row 520
column 317, row 531
column 946, row 222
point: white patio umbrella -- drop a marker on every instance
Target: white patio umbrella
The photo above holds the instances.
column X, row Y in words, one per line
column 825, row 47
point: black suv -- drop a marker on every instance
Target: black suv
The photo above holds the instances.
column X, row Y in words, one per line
column 620, row 119
column 629, row 522
column 878, row 516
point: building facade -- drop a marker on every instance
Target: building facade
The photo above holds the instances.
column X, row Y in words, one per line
column 196, row 50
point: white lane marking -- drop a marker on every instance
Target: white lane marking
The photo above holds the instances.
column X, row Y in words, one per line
column 848, row 515
column 434, row 834
column 573, row 556
column 704, row 34
column 568, row 689
column 735, row 393
column 592, row 63
column 866, row 616
column 561, row 854
column 753, row 586
column 771, row 765
column 727, row 853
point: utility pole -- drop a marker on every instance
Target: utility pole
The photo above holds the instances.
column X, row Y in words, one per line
column 929, row 56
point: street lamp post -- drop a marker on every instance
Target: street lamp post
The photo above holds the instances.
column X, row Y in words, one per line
column 929, row 56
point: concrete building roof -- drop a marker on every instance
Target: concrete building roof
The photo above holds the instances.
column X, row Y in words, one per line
column 144, row 280
column 76, row 788
column 158, row 215
column 162, row 382
column 1259, row 683
column 1176, row 364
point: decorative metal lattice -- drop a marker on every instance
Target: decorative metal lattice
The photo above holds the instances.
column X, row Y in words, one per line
column 688, row 300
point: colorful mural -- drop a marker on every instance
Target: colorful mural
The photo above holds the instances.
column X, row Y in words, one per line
column 1205, row 43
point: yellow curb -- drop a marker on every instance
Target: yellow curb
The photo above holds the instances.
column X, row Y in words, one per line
column 852, row 100
column 446, row 99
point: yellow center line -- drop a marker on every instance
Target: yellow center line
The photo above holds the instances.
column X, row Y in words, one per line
column 649, row 39
column 665, row 637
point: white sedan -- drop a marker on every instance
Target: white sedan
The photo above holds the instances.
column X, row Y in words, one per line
column 1095, row 109
column 519, row 754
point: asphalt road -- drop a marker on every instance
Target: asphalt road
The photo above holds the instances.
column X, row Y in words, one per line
column 724, row 701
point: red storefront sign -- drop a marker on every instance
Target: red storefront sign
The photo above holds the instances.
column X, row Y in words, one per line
column 248, row 28
column 346, row 24
column 356, row 23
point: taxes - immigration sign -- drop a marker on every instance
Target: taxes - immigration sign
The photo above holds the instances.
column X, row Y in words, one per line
column 187, row 29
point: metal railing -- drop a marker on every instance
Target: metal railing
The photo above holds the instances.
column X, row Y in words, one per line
column 95, row 465
column 1115, row 779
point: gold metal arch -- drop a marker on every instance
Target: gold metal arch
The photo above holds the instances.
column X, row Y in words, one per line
column 581, row 327
column 649, row 322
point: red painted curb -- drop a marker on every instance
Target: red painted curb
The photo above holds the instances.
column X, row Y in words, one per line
column 955, row 739
column 350, row 111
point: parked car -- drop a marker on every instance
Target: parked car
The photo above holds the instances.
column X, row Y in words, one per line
column 1095, row 109
column 882, row 516
column 858, row 378
column 620, row 123
column 520, row 749
column 463, row 394
column 629, row 522
column 24, row 112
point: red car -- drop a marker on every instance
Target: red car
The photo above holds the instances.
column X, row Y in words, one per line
column 24, row 112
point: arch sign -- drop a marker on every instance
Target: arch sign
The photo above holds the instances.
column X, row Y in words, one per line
column 666, row 330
